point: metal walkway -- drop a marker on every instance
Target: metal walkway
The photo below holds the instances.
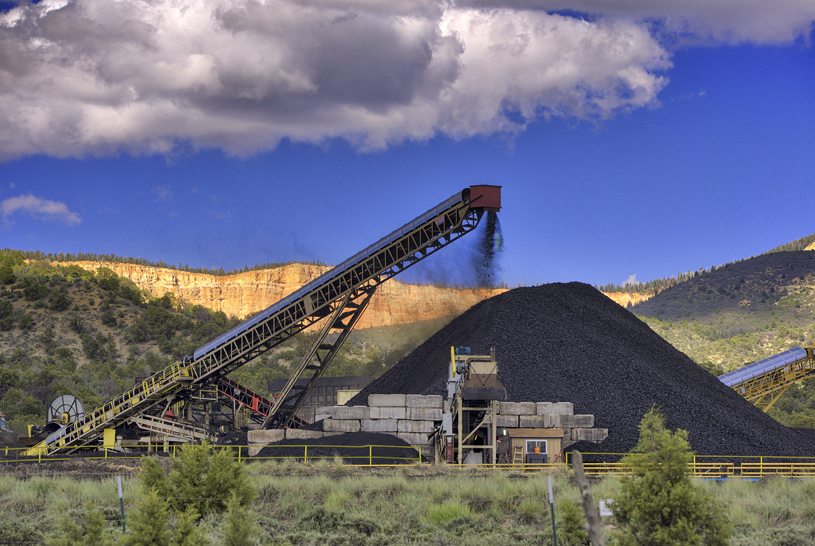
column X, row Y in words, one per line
column 763, row 382
column 339, row 295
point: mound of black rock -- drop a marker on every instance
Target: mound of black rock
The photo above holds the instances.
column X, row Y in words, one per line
column 352, row 447
column 569, row 342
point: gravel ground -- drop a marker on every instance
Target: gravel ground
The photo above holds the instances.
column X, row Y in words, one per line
column 568, row 342
column 386, row 448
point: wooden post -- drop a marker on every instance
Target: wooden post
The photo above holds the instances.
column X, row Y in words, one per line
column 593, row 525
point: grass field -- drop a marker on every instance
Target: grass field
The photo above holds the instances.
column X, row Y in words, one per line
column 330, row 504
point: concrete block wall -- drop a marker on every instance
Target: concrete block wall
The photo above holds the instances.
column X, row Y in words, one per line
column 413, row 417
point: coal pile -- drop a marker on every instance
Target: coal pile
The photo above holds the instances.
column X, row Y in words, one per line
column 353, row 447
column 569, row 342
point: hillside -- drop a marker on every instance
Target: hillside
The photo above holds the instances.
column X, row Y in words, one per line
column 741, row 313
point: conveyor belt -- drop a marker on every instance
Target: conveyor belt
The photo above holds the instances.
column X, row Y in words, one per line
column 763, row 382
column 347, row 286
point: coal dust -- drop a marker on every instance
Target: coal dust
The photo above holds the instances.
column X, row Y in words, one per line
column 486, row 259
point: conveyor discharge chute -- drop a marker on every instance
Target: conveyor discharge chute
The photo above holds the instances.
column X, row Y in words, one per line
column 763, row 382
column 339, row 296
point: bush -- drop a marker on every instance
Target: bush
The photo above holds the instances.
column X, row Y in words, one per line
column 7, row 275
column 658, row 504
column 60, row 302
column 26, row 322
column 201, row 478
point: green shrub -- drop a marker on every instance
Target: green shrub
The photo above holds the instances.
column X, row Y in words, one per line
column 201, row 478
column 658, row 505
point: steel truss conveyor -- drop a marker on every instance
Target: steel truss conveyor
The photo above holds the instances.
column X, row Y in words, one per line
column 763, row 382
column 340, row 295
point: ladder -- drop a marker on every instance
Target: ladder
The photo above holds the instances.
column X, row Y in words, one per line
column 518, row 455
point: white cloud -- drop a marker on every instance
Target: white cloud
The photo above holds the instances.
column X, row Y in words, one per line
column 632, row 280
column 80, row 77
column 163, row 193
column 710, row 21
column 40, row 209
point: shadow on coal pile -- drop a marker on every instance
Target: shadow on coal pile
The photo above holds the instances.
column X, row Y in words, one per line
column 568, row 342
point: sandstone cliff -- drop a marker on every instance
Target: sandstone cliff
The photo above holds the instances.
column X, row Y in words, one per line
column 245, row 294
column 626, row 298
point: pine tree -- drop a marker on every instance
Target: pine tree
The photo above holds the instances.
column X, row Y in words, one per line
column 149, row 523
column 659, row 505
column 238, row 525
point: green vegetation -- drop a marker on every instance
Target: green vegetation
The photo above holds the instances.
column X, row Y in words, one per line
column 798, row 244
column 328, row 504
column 744, row 313
column 38, row 256
column 658, row 504
column 201, row 479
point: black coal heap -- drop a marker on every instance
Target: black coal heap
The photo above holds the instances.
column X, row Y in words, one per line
column 569, row 342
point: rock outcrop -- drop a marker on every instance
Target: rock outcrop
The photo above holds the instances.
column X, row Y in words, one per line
column 244, row 294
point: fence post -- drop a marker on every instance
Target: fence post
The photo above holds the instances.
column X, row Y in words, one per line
column 305, row 454
column 420, row 454
column 370, row 455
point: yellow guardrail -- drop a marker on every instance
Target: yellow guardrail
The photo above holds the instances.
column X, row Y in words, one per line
column 703, row 466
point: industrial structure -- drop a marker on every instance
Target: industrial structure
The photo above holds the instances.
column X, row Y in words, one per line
column 182, row 402
column 763, row 382
column 469, row 429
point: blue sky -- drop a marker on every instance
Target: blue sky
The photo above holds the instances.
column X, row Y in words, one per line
column 629, row 138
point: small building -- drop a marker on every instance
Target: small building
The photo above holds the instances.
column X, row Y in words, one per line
column 524, row 440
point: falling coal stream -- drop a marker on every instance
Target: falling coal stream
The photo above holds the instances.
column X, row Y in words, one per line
column 487, row 257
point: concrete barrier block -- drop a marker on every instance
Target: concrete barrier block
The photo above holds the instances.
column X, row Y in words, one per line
column 549, row 421
column 385, row 412
column 543, row 408
column 506, row 421
column 253, row 451
column 588, row 434
column 531, row 421
column 425, row 427
column 264, row 436
column 387, row 400
column 424, row 414
column 424, row 401
column 344, row 412
column 577, row 421
column 563, row 408
column 378, row 425
column 297, row 434
column 341, row 425
column 325, row 410
column 517, row 408
column 321, row 416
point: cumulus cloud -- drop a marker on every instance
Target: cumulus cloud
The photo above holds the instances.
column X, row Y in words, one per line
column 695, row 21
column 632, row 281
column 41, row 209
column 94, row 77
